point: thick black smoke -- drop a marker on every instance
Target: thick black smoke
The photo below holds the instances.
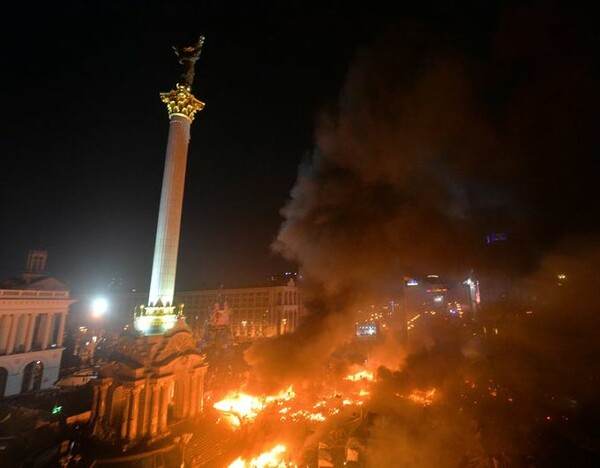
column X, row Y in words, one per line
column 432, row 145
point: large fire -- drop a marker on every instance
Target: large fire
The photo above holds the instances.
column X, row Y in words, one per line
column 304, row 410
column 274, row 458
column 240, row 408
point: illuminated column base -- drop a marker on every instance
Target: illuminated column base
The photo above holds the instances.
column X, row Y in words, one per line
column 156, row 320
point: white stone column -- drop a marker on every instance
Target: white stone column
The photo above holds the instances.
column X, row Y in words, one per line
column 29, row 333
column 14, row 323
column 22, row 326
column 48, row 327
column 162, row 284
column 6, row 324
column 61, row 330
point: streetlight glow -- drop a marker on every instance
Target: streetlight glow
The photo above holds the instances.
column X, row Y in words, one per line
column 99, row 306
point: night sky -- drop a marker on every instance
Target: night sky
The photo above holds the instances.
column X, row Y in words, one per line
column 84, row 132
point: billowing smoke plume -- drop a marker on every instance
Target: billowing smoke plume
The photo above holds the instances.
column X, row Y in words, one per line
column 432, row 146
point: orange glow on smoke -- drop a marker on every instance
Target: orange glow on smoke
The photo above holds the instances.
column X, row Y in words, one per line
column 422, row 397
column 271, row 459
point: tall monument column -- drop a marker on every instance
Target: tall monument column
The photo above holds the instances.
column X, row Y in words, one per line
column 160, row 314
column 162, row 285
column 150, row 370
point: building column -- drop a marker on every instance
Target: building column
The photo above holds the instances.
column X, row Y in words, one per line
column 200, row 394
column 12, row 334
column 125, row 415
column 145, row 408
column 99, row 409
column 187, row 390
column 178, row 397
column 7, row 323
column 102, row 403
column 154, row 408
column 95, row 403
column 61, row 330
column 47, row 330
column 164, row 407
column 193, row 393
column 22, row 325
column 134, row 413
column 29, row 333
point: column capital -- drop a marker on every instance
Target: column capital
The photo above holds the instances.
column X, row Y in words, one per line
column 181, row 101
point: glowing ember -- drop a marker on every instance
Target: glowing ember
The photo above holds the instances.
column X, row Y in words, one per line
column 303, row 414
column 271, row 459
column 422, row 397
column 361, row 375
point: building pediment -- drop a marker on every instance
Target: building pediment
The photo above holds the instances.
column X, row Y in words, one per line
column 137, row 351
column 178, row 344
column 133, row 350
column 33, row 282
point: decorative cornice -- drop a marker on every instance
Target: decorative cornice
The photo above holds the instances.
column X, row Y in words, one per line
column 181, row 101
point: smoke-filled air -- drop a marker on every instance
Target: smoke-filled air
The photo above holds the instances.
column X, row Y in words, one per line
column 471, row 165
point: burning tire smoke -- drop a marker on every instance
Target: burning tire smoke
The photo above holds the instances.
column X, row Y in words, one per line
column 428, row 150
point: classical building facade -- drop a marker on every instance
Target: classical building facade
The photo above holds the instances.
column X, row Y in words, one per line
column 150, row 383
column 33, row 311
column 254, row 312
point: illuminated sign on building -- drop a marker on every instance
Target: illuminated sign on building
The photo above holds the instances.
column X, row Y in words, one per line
column 496, row 237
column 366, row 330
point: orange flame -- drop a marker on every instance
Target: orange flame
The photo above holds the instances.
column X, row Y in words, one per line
column 242, row 406
column 271, row 459
column 239, row 408
column 422, row 397
column 360, row 375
